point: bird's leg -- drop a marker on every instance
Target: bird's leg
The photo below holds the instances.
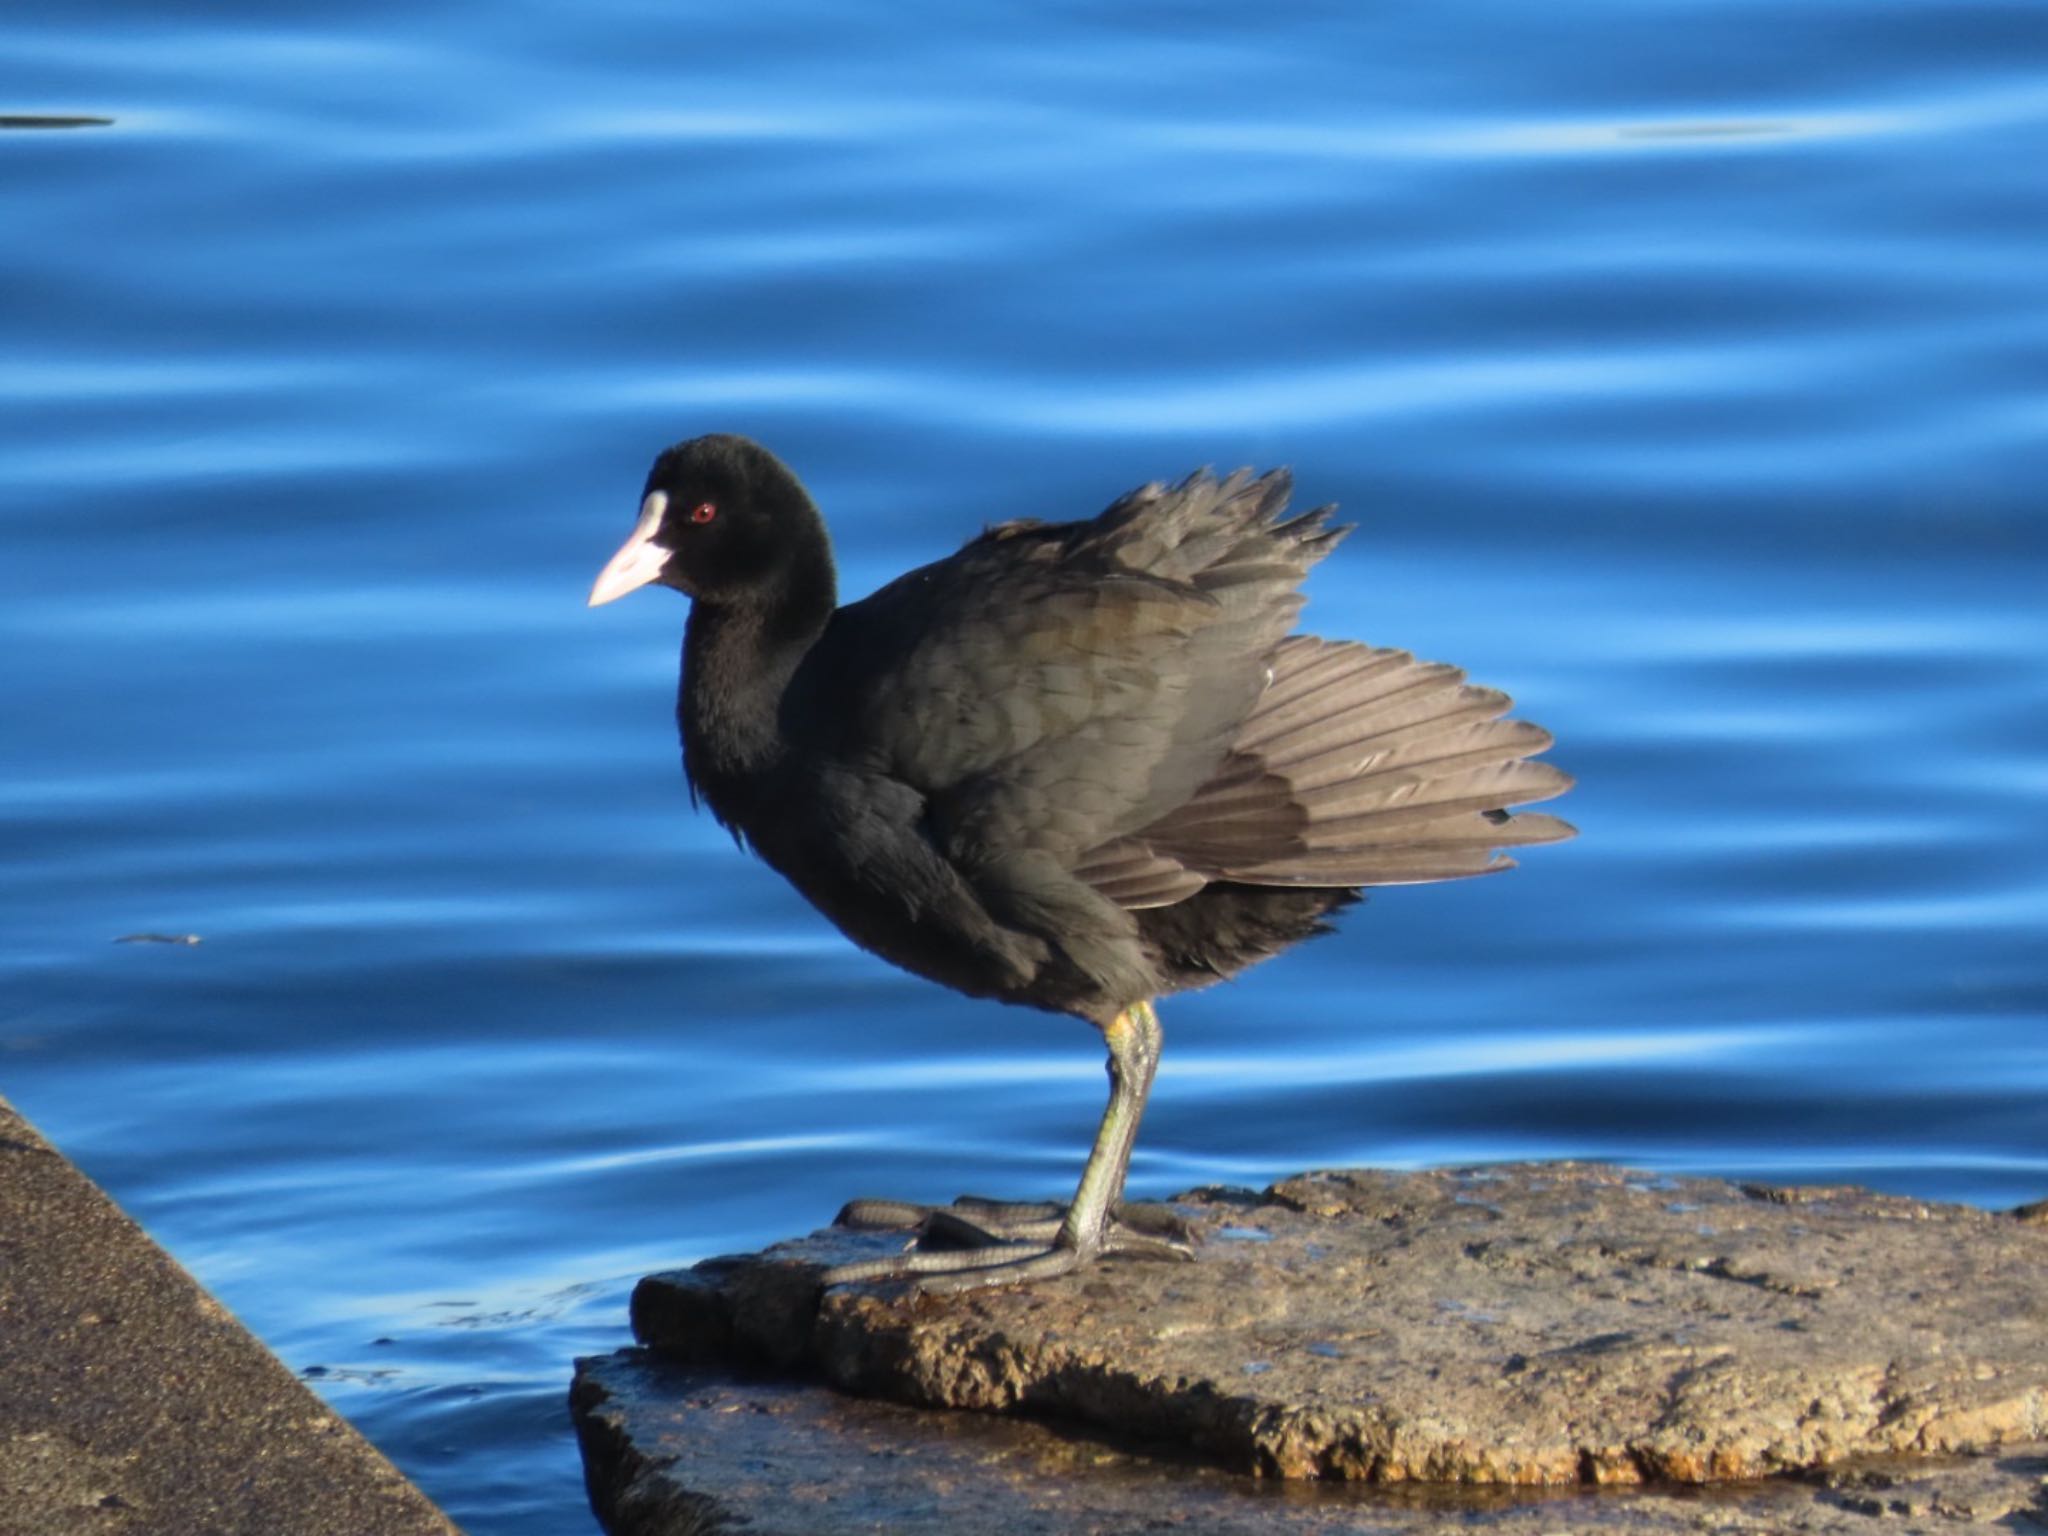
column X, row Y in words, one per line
column 1134, row 1039
column 995, row 1243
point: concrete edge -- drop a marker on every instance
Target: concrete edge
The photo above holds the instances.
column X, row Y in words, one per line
column 132, row 1402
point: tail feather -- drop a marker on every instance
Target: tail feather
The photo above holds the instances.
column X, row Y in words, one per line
column 1398, row 799
column 1461, row 746
column 1385, row 679
column 1475, row 779
column 1417, row 828
column 1420, row 712
column 1134, row 877
column 1393, row 866
column 1302, row 663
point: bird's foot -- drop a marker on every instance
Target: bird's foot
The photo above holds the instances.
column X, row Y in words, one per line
column 974, row 1243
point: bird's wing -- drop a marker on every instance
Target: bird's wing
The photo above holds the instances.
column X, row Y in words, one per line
column 1357, row 766
column 1051, row 687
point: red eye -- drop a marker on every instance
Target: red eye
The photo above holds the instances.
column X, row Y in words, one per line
column 703, row 512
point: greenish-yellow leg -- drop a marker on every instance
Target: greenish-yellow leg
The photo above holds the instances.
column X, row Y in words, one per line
column 1000, row 1245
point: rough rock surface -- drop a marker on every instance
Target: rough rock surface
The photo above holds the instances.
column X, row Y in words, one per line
column 683, row 1451
column 1547, row 1325
column 133, row 1404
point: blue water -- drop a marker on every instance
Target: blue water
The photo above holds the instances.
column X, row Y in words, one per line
column 1682, row 366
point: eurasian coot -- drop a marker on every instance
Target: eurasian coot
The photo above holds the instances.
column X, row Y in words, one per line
column 1074, row 765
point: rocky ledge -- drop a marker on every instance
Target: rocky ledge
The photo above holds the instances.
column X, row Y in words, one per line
column 1508, row 1329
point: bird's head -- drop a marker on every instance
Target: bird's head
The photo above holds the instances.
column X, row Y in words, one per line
column 724, row 520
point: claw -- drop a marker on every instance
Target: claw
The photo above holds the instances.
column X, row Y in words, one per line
column 974, row 1243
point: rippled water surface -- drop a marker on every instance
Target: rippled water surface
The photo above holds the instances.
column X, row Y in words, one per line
column 1681, row 365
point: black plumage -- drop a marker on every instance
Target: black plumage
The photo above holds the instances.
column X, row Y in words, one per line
column 1073, row 765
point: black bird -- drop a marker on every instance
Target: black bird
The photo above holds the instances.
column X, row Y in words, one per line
column 1074, row 765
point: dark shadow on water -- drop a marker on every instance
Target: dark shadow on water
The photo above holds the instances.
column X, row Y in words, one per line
column 33, row 120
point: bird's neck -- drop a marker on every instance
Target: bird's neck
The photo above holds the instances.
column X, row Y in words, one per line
column 738, row 659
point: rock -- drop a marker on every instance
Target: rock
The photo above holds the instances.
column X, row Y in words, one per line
column 1556, row 1326
column 683, row 1451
